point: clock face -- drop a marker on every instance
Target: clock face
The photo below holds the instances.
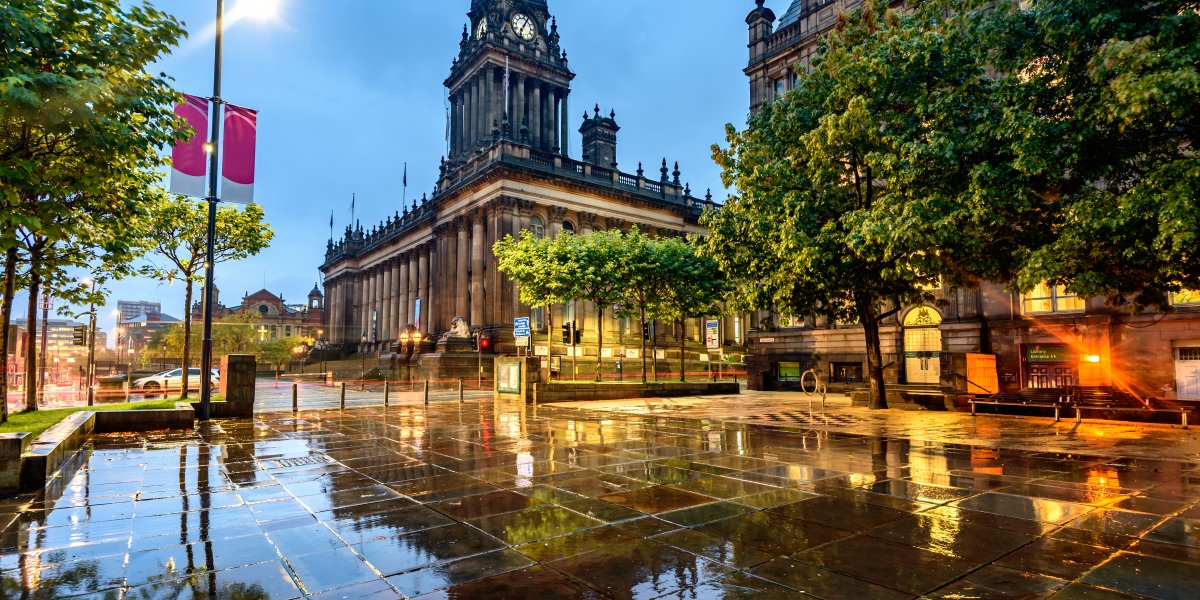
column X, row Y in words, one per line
column 523, row 26
column 481, row 29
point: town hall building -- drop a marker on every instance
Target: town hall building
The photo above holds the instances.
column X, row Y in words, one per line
column 508, row 170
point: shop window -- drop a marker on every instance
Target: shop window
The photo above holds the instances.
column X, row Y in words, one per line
column 1045, row 299
column 789, row 371
column 1185, row 297
column 847, row 373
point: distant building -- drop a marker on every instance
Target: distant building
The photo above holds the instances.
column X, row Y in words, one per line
column 132, row 308
column 133, row 335
column 275, row 317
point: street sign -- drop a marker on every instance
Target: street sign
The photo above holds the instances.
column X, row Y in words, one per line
column 522, row 341
column 521, row 329
column 712, row 334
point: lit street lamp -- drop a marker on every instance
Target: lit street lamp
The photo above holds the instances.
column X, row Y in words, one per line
column 246, row 8
column 363, row 380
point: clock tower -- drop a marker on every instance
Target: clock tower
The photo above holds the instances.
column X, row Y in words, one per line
column 510, row 80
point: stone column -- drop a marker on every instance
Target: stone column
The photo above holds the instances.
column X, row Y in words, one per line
column 373, row 316
column 563, row 120
column 552, row 128
column 402, row 292
column 520, row 222
column 477, row 296
column 518, row 107
column 459, row 131
column 478, row 110
column 462, row 263
column 413, row 290
column 449, row 268
column 423, row 286
column 535, row 116
column 489, row 101
column 394, row 307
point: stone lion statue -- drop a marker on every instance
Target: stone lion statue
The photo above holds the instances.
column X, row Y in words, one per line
column 459, row 329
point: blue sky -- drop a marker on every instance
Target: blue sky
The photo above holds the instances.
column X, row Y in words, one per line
column 349, row 90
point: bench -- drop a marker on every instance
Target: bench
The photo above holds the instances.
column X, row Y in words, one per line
column 1057, row 406
column 1182, row 412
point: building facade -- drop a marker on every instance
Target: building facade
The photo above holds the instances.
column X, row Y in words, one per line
column 508, row 170
column 1046, row 339
column 273, row 317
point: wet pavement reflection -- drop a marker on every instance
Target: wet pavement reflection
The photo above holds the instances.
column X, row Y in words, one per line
column 487, row 500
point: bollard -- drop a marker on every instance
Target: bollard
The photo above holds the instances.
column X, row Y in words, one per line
column 387, row 391
column 295, row 397
column 343, row 395
column 426, row 391
column 460, row 391
column 735, row 381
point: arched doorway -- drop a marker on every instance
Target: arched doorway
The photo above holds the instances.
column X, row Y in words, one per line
column 923, row 345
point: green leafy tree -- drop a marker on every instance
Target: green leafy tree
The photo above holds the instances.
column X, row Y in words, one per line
column 537, row 266
column 596, row 269
column 692, row 286
column 1100, row 107
column 279, row 351
column 177, row 230
column 81, row 123
column 876, row 178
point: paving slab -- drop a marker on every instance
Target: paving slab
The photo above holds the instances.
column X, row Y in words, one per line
column 703, row 498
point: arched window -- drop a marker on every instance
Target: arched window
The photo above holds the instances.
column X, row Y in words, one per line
column 537, row 227
column 567, row 226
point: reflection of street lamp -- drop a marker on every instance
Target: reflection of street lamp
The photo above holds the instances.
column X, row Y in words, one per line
column 296, row 352
column 410, row 342
column 363, row 354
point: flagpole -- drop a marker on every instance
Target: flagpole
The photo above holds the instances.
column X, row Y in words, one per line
column 404, row 197
column 353, row 198
column 206, row 359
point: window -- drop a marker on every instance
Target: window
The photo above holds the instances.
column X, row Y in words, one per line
column 780, row 87
column 537, row 227
column 537, row 318
column 567, row 226
column 1186, row 297
column 1046, row 299
column 789, row 371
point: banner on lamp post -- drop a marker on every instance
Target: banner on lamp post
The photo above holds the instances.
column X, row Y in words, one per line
column 189, row 161
column 237, row 154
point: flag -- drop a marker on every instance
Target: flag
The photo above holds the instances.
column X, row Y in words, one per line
column 237, row 164
column 188, row 159
column 405, row 181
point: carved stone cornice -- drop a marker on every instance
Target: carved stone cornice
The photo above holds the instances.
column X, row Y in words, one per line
column 587, row 220
column 615, row 223
column 556, row 214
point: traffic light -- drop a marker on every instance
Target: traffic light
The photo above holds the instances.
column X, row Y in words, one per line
column 475, row 341
column 485, row 343
column 79, row 335
column 566, row 333
column 578, row 334
column 646, row 330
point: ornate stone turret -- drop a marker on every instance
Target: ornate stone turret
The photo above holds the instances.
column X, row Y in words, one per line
column 600, row 139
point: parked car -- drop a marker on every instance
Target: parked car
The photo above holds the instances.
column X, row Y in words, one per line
column 172, row 380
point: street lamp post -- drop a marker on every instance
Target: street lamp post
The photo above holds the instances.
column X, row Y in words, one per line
column 91, row 342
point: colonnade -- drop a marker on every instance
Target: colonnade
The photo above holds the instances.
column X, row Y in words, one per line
column 477, row 106
column 451, row 273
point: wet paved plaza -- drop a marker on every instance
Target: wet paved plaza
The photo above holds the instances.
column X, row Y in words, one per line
column 484, row 500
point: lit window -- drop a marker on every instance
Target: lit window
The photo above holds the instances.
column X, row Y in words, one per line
column 1185, row 297
column 1046, row 299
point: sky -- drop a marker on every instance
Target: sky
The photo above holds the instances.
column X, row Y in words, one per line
column 348, row 91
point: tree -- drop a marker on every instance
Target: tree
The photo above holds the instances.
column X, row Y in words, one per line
column 646, row 280
column 279, row 351
column 81, row 123
column 1102, row 106
column 596, row 269
column 876, row 178
column 537, row 265
column 692, row 286
column 176, row 231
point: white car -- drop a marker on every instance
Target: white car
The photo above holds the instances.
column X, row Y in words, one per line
column 173, row 381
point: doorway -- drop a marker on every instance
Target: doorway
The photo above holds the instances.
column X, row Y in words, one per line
column 1187, row 372
column 923, row 345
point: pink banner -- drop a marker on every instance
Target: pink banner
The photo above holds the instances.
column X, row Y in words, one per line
column 237, row 155
column 188, row 159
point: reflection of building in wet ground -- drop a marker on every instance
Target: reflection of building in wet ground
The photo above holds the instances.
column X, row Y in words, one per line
column 482, row 500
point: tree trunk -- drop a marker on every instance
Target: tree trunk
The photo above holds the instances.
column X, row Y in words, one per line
column 186, row 361
column 599, row 338
column 31, row 360
column 682, row 348
column 10, row 283
column 870, row 322
column 643, row 344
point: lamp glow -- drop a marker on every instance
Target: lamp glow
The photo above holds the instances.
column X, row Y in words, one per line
column 1093, row 358
column 259, row 10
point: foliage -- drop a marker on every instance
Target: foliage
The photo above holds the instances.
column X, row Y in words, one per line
column 81, row 124
column 1100, row 108
column 279, row 351
column 867, row 184
column 177, row 230
column 234, row 334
